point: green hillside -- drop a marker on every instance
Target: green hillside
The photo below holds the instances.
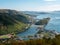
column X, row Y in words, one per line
column 12, row 21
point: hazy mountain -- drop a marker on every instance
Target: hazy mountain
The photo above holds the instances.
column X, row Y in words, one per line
column 36, row 13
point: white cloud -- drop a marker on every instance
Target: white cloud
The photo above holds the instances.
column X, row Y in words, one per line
column 49, row 0
column 44, row 8
column 54, row 7
column 50, row 8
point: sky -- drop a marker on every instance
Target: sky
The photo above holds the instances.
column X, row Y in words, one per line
column 30, row 5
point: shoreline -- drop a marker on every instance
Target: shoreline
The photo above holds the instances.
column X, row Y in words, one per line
column 25, row 29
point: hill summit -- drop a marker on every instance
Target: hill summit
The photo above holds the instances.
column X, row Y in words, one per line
column 12, row 21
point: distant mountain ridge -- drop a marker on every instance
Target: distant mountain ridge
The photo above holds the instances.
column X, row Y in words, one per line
column 35, row 12
column 40, row 12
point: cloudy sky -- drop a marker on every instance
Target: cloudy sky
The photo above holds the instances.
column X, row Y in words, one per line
column 30, row 5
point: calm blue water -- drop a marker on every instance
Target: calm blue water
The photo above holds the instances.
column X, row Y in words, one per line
column 31, row 31
column 54, row 23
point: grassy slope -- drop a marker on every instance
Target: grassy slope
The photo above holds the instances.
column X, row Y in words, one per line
column 12, row 21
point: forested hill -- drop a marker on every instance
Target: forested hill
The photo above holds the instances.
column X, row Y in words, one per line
column 12, row 21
